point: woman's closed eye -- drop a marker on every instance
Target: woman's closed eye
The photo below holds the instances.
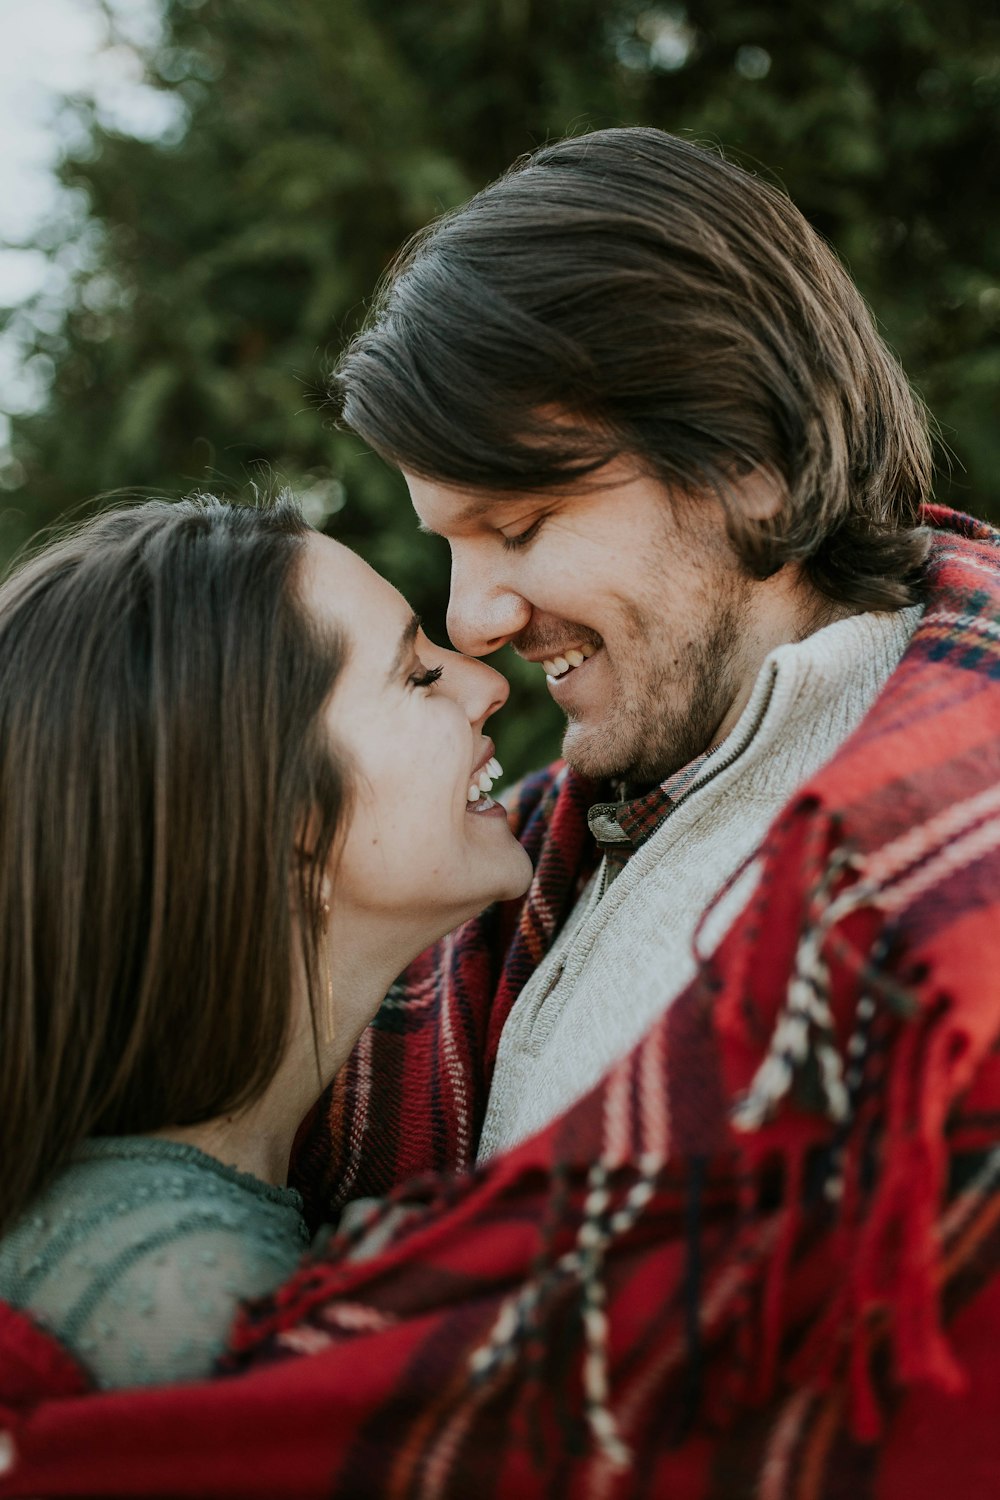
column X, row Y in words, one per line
column 426, row 677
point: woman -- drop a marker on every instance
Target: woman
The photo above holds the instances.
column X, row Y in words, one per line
column 239, row 791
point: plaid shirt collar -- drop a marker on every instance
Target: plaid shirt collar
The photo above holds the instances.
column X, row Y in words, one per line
column 622, row 827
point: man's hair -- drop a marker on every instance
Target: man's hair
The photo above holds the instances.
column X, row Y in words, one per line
column 626, row 292
column 161, row 749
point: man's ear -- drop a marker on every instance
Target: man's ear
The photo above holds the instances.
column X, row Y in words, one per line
column 759, row 495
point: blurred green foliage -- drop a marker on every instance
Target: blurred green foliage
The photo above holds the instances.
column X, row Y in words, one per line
column 225, row 265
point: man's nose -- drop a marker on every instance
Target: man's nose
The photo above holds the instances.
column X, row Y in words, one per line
column 484, row 612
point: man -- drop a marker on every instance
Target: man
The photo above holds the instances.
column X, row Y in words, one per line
column 677, row 468
column 728, row 1073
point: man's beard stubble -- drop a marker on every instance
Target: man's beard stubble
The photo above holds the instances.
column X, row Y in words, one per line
column 663, row 721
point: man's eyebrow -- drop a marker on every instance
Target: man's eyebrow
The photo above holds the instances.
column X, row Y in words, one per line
column 405, row 646
column 472, row 510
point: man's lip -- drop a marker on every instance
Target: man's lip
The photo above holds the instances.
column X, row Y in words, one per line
column 564, row 683
column 551, row 655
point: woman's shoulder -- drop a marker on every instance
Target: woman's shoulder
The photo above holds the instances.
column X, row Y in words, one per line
column 137, row 1253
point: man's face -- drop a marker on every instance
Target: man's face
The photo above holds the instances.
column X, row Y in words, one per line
column 645, row 596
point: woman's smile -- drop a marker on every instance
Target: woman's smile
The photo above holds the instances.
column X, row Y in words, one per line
column 484, row 774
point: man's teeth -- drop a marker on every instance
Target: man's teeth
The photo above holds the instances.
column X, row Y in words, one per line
column 558, row 666
column 483, row 784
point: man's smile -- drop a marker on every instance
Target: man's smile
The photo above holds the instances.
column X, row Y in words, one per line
column 565, row 661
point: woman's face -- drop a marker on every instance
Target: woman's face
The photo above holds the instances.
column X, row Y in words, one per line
column 417, row 850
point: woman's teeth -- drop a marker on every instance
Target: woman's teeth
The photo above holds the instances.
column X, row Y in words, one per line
column 558, row 666
column 483, row 784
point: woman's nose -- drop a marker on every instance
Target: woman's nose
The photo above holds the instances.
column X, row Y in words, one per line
column 479, row 689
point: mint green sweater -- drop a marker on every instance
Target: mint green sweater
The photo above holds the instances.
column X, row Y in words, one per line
column 138, row 1252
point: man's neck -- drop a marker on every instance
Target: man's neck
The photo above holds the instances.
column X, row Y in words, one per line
column 780, row 610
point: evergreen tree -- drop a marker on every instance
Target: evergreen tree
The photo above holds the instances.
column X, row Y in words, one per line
column 229, row 261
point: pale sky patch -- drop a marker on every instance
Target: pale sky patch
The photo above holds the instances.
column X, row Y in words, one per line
column 51, row 51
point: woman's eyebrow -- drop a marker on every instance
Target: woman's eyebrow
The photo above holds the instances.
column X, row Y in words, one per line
column 404, row 648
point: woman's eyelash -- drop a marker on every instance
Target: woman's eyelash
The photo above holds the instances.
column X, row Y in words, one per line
column 511, row 543
column 427, row 677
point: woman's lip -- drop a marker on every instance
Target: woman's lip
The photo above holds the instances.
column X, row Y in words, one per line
column 478, row 810
column 477, row 802
column 484, row 762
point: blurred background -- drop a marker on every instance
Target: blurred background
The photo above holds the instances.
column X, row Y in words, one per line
column 197, row 198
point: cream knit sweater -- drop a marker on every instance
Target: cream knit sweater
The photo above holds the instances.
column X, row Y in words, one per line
column 620, row 959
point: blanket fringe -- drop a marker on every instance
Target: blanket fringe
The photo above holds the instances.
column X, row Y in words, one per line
column 891, row 1290
column 601, row 1224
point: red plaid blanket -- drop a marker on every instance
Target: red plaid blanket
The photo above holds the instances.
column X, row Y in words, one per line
column 760, row 1259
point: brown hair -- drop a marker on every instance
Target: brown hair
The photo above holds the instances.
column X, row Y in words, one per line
column 160, row 746
column 668, row 305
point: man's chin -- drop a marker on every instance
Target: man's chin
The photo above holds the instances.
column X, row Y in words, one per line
column 599, row 757
column 589, row 753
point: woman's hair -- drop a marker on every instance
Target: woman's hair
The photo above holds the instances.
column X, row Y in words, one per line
column 161, row 749
column 626, row 292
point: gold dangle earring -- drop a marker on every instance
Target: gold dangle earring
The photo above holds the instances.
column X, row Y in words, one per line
column 326, row 976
